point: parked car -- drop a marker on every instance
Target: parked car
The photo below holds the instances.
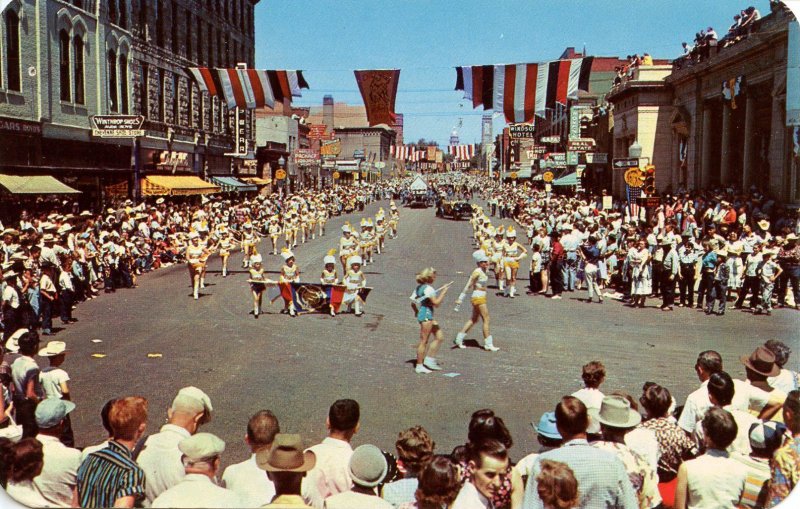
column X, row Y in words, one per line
column 419, row 200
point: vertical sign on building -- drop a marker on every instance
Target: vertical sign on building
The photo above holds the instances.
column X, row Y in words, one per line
column 793, row 76
column 241, row 132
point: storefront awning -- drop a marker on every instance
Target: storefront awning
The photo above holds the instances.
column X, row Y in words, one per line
column 233, row 185
column 37, row 184
column 257, row 181
column 168, row 185
column 567, row 180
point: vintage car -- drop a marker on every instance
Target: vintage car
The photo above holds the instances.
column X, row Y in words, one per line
column 419, row 199
column 457, row 209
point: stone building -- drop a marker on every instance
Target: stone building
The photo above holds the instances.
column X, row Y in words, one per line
column 62, row 62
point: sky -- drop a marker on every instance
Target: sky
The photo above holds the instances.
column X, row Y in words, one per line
column 426, row 39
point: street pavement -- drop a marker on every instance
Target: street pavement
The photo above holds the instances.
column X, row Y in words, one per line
column 297, row 367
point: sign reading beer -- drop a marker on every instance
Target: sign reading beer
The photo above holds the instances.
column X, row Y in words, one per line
column 117, row 126
column 520, row 131
column 241, row 132
column 280, row 174
column 331, row 148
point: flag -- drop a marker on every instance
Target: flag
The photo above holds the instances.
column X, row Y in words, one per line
column 379, row 91
column 515, row 90
column 462, row 152
column 248, row 88
column 313, row 298
column 633, row 206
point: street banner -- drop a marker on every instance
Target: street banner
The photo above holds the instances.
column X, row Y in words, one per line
column 431, row 155
column 311, row 297
column 793, row 76
column 379, row 91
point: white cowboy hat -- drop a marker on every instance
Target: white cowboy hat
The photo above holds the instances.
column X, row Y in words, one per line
column 480, row 256
column 354, row 260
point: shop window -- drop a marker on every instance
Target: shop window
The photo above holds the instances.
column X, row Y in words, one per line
column 63, row 65
column 123, row 84
column 12, row 51
column 78, row 70
column 113, row 84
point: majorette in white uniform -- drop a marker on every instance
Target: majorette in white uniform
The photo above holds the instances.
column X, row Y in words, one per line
column 329, row 275
column 290, row 273
column 348, row 245
column 477, row 286
column 513, row 252
column 354, row 280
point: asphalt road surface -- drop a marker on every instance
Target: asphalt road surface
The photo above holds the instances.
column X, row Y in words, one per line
column 297, row 367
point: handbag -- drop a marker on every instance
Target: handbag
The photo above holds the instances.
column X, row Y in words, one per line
column 12, row 431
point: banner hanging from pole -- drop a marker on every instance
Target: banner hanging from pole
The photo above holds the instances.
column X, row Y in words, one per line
column 379, row 90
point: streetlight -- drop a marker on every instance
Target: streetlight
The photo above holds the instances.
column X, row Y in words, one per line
column 635, row 150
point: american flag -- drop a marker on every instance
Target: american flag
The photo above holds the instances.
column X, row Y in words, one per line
column 633, row 194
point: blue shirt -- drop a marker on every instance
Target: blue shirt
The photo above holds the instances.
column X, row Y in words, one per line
column 107, row 475
column 710, row 261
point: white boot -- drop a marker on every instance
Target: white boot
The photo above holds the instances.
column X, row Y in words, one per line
column 202, row 282
column 489, row 344
column 513, row 291
column 459, row 341
column 224, row 272
column 256, row 311
column 357, row 307
column 501, row 284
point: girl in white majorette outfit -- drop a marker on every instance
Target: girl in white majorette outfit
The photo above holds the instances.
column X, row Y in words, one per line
column 329, row 275
column 513, row 252
column 249, row 241
column 225, row 244
column 477, row 284
column 290, row 273
column 348, row 246
column 274, row 232
column 258, row 282
column 498, row 247
column 354, row 280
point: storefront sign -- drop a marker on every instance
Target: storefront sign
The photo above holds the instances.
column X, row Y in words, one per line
column 572, row 158
column 550, row 139
column 318, row 132
column 172, row 161
column 280, row 174
column 241, row 132
column 336, row 175
column 650, row 201
column 13, row 126
column 596, row 158
column 548, row 176
column 358, row 154
column 581, row 145
column 117, row 126
column 331, row 148
column 306, row 156
column 521, row 131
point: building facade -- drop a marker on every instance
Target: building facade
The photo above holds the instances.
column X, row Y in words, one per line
column 62, row 62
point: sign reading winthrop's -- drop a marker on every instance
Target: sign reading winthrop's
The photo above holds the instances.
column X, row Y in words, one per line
column 117, row 126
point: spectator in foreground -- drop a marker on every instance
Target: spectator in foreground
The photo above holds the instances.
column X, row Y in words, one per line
column 785, row 464
column 110, row 477
column 488, row 463
column 107, row 426
column 246, row 478
column 57, row 482
column 414, row 449
column 765, row 438
column 593, row 375
column 557, row 486
column 331, row 473
column 198, row 488
column 160, row 457
column 548, row 437
column 286, row 465
column 368, row 468
column 713, row 479
column 602, row 480
column 787, row 380
column 25, row 463
column 439, row 484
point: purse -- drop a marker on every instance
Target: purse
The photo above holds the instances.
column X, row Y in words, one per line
column 12, row 431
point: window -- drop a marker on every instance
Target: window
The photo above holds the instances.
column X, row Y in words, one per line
column 123, row 13
column 63, row 64
column 112, row 11
column 189, row 35
column 212, row 62
column 162, row 98
column 144, row 91
column 113, row 98
column 80, row 96
column 201, row 56
column 123, row 84
column 220, row 59
column 12, row 51
column 160, row 23
column 175, row 39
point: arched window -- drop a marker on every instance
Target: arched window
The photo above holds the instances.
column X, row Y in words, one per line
column 113, row 97
column 12, row 51
column 78, row 69
column 123, row 84
column 63, row 65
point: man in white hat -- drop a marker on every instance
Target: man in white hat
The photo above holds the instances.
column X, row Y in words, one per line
column 201, row 459
column 160, row 457
column 55, row 384
column 789, row 260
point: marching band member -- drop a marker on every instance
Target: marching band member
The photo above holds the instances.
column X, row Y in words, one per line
column 322, row 218
column 303, row 223
column 274, row 231
column 290, row 273
column 195, row 261
column 365, row 241
column 348, row 246
column 423, row 300
column 311, row 219
column 477, row 283
column 354, row 280
column 249, row 241
column 225, row 246
column 393, row 220
column 258, row 282
column 498, row 247
column 513, row 252
column 289, row 229
column 329, row 275
column 380, row 231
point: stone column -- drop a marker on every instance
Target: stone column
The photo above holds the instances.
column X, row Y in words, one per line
column 705, row 166
column 725, row 156
column 749, row 119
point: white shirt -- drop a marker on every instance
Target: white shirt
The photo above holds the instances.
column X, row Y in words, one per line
column 161, row 460
column 197, row 490
column 697, row 404
column 11, row 295
column 784, row 382
column 249, row 482
column 644, row 442
column 51, row 380
column 27, row 494
column 592, row 398
column 60, row 472
column 470, row 498
column 92, row 448
column 714, row 480
column 352, row 500
column 331, row 474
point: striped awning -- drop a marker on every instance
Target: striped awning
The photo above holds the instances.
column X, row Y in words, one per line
column 168, row 185
column 233, row 185
column 567, row 180
column 36, row 184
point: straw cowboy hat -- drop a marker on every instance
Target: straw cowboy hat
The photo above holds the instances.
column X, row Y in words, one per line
column 286, row 455
column 616, row 412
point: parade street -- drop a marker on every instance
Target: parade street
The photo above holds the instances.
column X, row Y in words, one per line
column 157, row 339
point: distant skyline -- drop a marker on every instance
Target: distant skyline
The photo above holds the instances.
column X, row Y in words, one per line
column 426, row 39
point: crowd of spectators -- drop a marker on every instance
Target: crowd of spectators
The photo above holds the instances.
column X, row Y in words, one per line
column 733, row 443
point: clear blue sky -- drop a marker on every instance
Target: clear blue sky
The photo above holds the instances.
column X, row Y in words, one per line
column 426, row 39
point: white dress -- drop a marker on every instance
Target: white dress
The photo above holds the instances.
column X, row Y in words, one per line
column 641, row 274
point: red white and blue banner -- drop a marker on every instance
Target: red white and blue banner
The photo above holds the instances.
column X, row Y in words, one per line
column 462, row 152
column 523, row 91
column 249, row 88
column 313, row 298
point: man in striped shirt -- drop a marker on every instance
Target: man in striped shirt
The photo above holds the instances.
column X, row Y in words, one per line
column 110, row 477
